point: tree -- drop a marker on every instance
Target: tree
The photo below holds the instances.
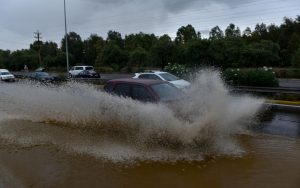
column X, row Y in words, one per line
column 186, row 33
column 142, row 40
column 115, row 38
column 163, row 51
column 216, row 52
column 260, row 31
column 296, row 58
column 196, row 52
column 216, row 33
column 75, row 47
column 263, row 53
column 232, row 31
column 273, row 33
column 49, row 48
column 112, row 55
column 92, row 47
column 247, row 32
column 138, row 57
column 23, row 57
column 294, row 43
column 5, row 56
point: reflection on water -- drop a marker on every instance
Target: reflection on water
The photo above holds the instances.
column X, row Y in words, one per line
column 76, row 136
column 280, row 122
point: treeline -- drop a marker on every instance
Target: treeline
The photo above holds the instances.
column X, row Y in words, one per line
column 276, row 46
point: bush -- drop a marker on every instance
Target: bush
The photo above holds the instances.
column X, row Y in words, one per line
column 251, row 77
column 176, row 69
column 287, row 73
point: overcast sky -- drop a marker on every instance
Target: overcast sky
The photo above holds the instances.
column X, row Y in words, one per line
column 19, row 19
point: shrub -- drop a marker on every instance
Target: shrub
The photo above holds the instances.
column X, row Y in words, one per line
column 287, row 73
column 176, row 69
column 251, row 77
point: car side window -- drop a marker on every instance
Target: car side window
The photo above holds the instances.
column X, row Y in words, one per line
column 140, row 93
column 79, row 68
column 154, row 77
column 144, row 76
column 122, row 90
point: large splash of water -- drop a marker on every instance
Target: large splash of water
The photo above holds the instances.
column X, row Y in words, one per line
column 82, row 119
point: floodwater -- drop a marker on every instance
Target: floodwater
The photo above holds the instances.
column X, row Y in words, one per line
column 76, row 136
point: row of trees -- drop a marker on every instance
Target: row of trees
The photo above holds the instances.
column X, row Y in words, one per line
column 264, row 46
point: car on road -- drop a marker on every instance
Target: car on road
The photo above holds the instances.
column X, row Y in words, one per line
column 87, row 74
column 165, row 76
column 75, row 70
column 145, row 90
column 42, row 76
column 5, row 75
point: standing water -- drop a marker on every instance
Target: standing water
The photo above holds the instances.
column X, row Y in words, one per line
column 77, row 136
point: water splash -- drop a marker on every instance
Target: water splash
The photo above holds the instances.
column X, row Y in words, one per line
column 102, row 125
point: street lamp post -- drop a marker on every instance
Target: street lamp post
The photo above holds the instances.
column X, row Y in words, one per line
column 66, row 38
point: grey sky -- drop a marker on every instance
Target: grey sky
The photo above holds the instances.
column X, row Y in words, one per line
column 19, row 19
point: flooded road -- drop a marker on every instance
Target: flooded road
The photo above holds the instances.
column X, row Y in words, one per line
column 268, row 161
column 77, row 136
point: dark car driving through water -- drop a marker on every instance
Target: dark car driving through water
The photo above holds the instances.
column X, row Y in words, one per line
column 42, row 76
column 144, row 90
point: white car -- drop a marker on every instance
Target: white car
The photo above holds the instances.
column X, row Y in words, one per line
column 5, row 75
column 165, row 76
column 74, row 71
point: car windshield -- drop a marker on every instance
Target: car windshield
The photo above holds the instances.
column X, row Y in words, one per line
column 166, row 91
column 169, row 77
column 5, row 73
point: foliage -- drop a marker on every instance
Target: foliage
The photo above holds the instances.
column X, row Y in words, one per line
column 216, row 33
column 266, row 45
column 262, row 77
column 196, row 52
column 163, row 51
column 113, row 56
column 138, row 57
column 296, row 58
column 232, row 31
column 92, row 46
column 75, row 47
column 176, row 69
column 287, row 72
column 186, row 33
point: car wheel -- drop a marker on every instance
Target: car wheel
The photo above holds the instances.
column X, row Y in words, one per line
column 70, row 75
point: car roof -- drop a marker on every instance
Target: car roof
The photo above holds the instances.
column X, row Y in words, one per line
column 4, row 70
column 83, row 66
column 138, row 81
column 152, row 72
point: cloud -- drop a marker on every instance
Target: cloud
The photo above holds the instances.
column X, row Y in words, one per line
column 19, row 19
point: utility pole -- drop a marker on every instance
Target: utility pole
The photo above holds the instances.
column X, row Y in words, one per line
column 66, row 36
column 38, row 37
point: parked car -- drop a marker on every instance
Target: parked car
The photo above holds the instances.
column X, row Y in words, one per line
column 74, row 71
column 42, row 76
column 144, row 90
column 5, row 75
column 88, row 74
column 165, row 76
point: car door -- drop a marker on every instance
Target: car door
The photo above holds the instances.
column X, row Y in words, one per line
column 122, row 89
column 141, row 93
